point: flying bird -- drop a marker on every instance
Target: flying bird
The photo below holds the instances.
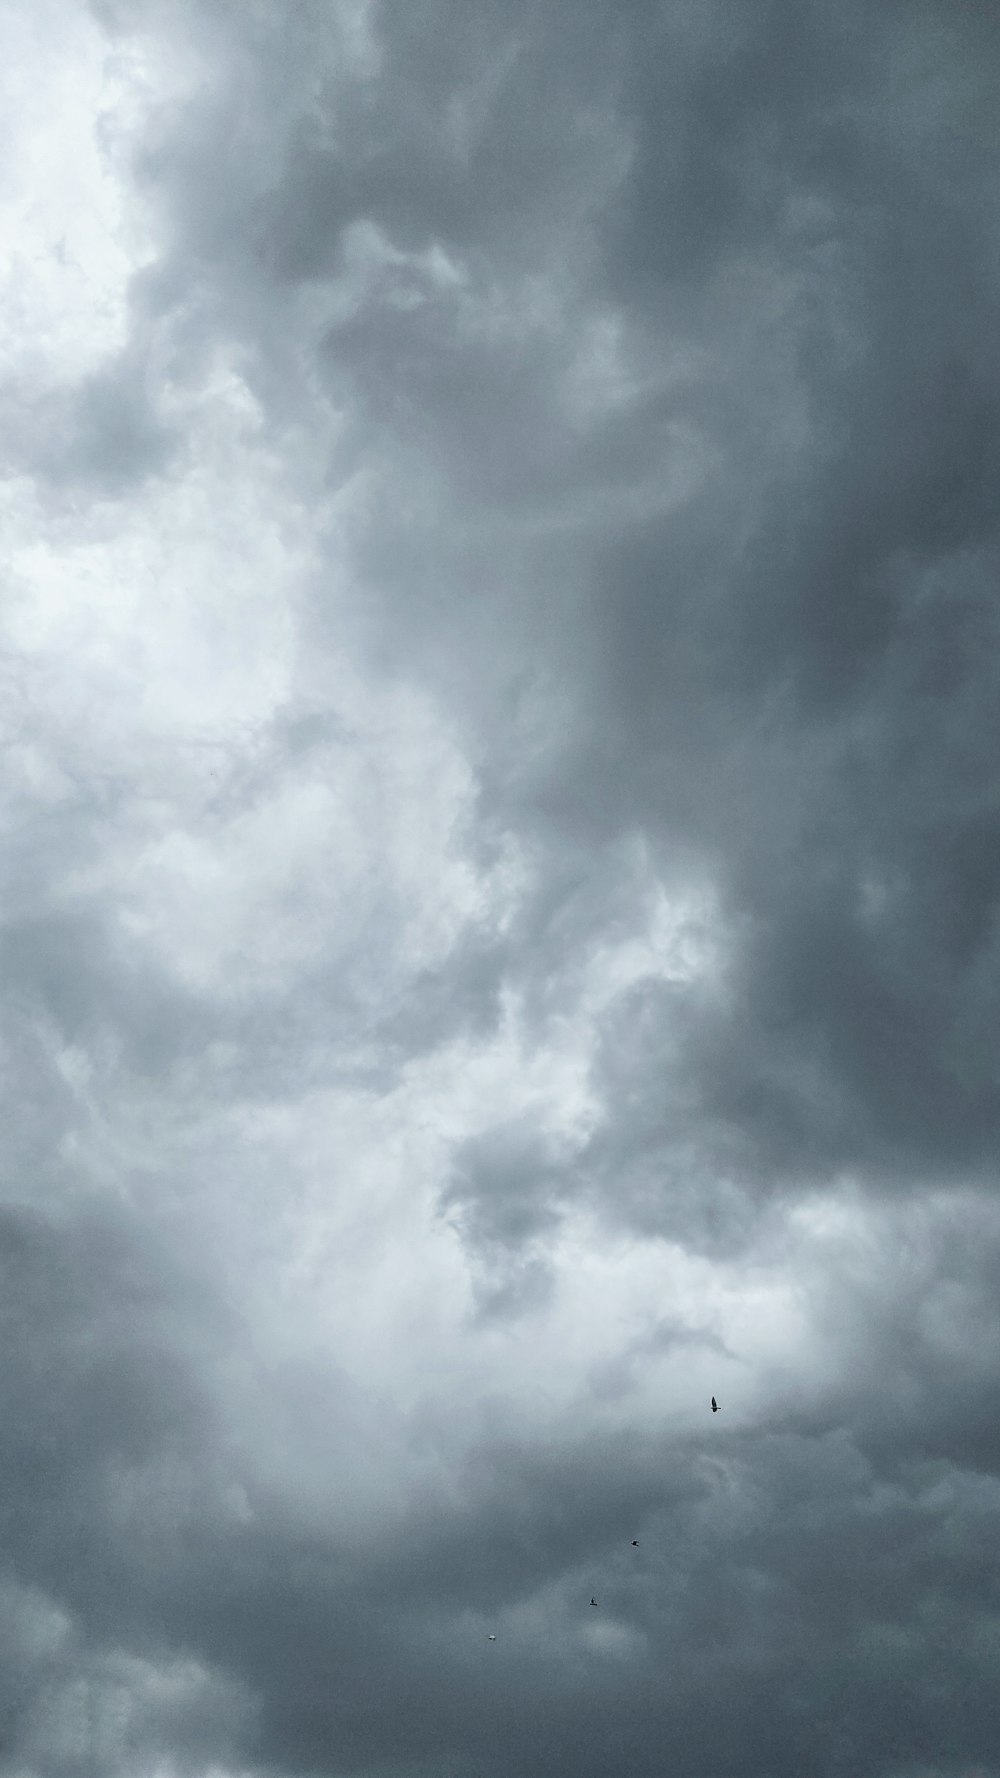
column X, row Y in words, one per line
column 715, row 1405
column 635, row 1543
column 492, row 1637
column 593, row 1601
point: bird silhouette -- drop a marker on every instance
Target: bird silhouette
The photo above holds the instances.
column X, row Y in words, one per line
column 715, row 1405
column 635, row 1543
column 492, row 1637
column 593, row 1601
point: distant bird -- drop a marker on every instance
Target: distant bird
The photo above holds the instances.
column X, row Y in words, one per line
column 593, row 1601
column 715, row 1405
column 635, row 1543
column 492, row 1638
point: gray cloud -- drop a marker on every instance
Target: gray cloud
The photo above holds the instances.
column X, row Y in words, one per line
column 543, row 970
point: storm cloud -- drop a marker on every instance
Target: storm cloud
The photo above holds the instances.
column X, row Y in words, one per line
column 501, row 722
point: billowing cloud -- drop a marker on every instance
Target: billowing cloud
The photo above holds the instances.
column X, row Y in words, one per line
column 501, row 864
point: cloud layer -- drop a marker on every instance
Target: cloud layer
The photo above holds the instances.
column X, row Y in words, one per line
column 501, row 865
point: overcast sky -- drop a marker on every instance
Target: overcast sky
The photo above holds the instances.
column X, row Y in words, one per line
column 500, row 795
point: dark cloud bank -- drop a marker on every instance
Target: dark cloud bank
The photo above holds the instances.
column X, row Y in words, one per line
column 737, row 594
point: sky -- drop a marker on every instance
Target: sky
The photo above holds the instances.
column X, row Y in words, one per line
column 500, row 660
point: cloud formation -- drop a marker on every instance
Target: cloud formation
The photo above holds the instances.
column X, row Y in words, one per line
column 501, row 865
